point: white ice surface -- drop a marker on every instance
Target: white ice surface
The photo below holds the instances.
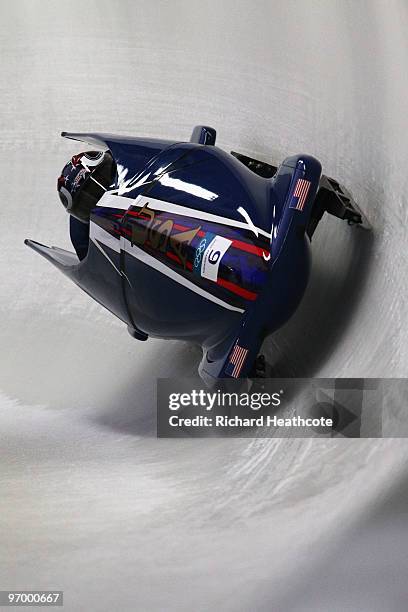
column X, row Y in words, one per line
column 91, row 502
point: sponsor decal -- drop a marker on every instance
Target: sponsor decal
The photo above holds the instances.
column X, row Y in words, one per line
column 159, row 234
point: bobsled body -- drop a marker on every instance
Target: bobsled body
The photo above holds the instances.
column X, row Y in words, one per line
column 189, row 243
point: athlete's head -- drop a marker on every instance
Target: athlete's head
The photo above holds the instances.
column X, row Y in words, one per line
column 84, row 180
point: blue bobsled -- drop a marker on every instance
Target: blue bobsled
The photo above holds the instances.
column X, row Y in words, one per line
column 194, row 243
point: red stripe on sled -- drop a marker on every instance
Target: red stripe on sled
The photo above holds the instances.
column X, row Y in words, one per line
column 248, row 295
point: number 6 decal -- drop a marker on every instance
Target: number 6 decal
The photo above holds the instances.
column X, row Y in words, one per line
column 213, row 256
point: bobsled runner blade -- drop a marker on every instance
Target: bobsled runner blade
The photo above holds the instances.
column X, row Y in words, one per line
column 334, row 199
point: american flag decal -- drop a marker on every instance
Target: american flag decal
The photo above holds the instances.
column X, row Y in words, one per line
column 300, row 194
column 237, row 360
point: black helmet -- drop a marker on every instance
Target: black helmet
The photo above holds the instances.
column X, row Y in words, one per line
column 84, row 180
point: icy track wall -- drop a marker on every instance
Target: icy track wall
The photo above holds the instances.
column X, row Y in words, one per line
column 92, row 502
